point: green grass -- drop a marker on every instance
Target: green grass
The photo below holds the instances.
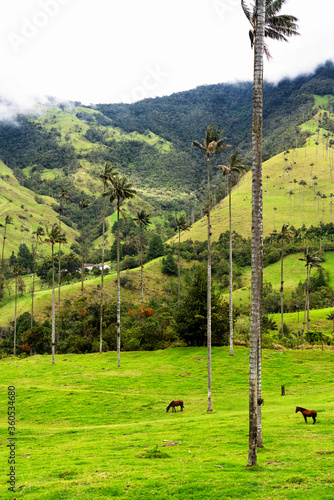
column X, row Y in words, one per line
column 87, row 429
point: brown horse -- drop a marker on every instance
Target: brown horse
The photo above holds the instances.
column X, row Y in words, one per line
column 175, row 403
column 307, row 413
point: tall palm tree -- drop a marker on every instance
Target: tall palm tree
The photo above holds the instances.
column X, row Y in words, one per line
column 214, row 143
column 8, row 220
column 311, row 260
column 142, row 220
column 257, row 20
column 264, row 23
column 122, row 189
column 38, row 233
column 181, row 225
column 331, row 203
column 285, row 233
column 62, row 196
column 107, row 176
column 16, row 270
column 235, row 166
column 84, row 203
column 54, row 236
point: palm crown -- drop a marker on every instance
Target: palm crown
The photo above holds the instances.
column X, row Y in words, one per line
column 213, row 143
column 277, row 27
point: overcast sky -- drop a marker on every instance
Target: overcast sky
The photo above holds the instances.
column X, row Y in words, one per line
column 123, row 51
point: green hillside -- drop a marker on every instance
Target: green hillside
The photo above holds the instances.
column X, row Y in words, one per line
column 27, row 210
column 284, row 198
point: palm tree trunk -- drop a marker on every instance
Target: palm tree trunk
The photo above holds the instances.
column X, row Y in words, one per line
column 82, row 256
column 53, row 329
column 209, row 294
column 3, row 247
column 15, row 315
column 102, row 273
column 230, row 267
column 308, row 299
column 33, row 286
column 257, row 231
column 179, row 278
column 118, row 295
column 282, row 292
column 141, row 266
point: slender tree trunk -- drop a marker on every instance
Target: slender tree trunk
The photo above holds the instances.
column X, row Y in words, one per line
column 15, row 315
column 59, row 279
column 179, row 276
column 34, row 250
column 118, row 295
column 2, row 258
column 3, row 247
column 82, row 255
column 257, row 233
column 102, row 273
column 209, row 293
column 141, row 266
column 308, row 299
column 282, row 284
column 230, row 267
column 53, row 321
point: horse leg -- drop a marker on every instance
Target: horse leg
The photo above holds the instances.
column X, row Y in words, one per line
column 313, row 420
column 305, row 418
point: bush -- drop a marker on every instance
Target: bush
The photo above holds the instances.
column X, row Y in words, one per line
column 169, row 266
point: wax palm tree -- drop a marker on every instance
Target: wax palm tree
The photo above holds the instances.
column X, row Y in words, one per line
column 323, row 197
column 267, row 177
column 38, row 234
column 331, row 204
column 235, row 166
column 84, row 203
column 54, row 236
column 16, row 270
column 107, row 176
column 142, row 220
column 62, row 196
column 311, row 260
column 181, row 225
column 319, row 195
column 277, row 27
column 122, row 189
column 8, row 220
column 214, row 143
column 286, row 234
column 264, row 23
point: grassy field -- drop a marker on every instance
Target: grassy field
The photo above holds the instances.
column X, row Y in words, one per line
column 86, row 429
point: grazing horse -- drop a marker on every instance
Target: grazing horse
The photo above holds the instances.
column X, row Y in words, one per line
column 307, row 413
column 175, row 403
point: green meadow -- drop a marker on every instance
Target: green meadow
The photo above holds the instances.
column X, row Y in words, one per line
column 87, row 429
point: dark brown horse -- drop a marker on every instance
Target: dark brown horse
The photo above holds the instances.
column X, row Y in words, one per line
column 175, row 403
column 307, row 413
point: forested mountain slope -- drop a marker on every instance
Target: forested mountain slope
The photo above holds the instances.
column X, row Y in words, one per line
column 150, row 142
